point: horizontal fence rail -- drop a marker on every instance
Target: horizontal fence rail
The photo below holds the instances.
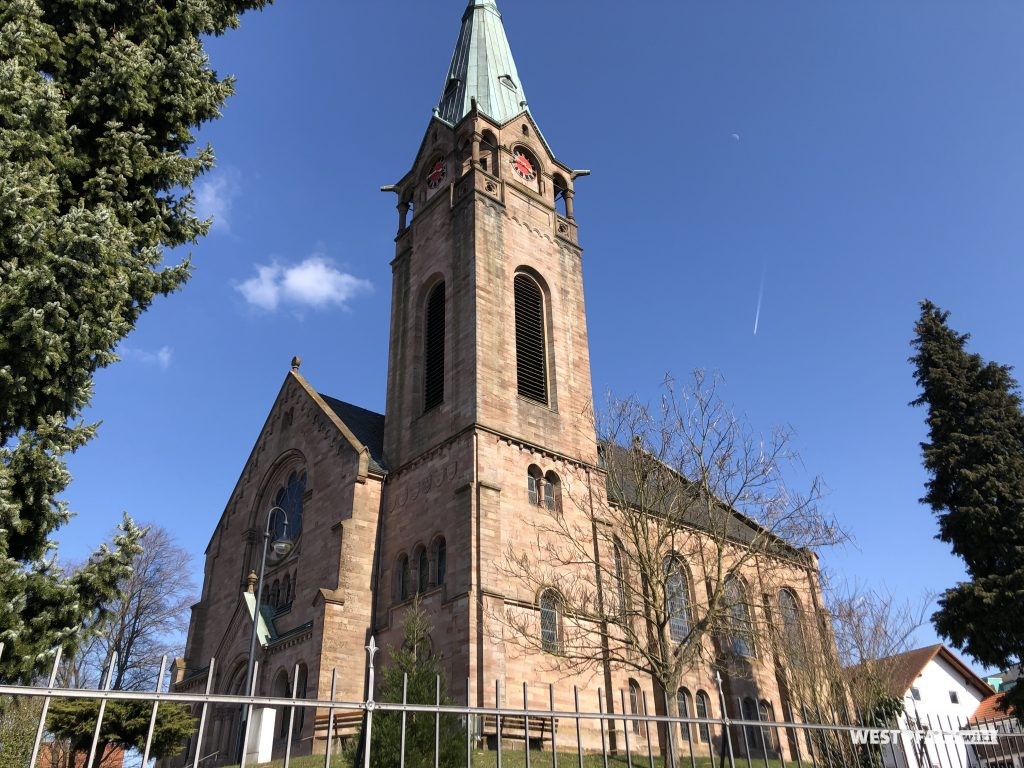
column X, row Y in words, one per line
column 527, row 736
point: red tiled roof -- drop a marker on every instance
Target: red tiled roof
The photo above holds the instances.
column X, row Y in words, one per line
column 991, row 709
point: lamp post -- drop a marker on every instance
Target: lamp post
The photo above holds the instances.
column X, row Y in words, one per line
column 282, row 546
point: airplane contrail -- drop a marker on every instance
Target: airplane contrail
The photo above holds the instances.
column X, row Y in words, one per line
column 760, row 295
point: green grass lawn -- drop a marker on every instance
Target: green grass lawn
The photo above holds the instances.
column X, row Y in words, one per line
column 516, row 758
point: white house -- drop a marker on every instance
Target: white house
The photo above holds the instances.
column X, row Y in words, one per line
column 940, row 695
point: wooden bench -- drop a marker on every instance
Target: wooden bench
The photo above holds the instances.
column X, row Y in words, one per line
column 346, row 725
column 514, row 727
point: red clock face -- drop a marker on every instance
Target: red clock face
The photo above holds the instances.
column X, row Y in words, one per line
column 522, row 165
column 437, row 174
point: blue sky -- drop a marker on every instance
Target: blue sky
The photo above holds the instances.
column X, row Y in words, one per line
column 855, row 157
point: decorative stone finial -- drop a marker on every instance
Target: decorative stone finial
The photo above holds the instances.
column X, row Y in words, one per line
column 296, row 362
column 251, row 581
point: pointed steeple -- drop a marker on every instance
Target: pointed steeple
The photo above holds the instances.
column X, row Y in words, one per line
column 482, row 68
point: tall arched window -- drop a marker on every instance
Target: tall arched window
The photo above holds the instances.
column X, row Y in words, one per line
column 281, row 690
column 618, row 556
column 402, row 584
column 703, row 703
column 275, row 594
column 440, row 560
column 550, row 621
column 683, row 704
column 433, row 367
column 677, row 600
column 634, row 703
column 751, row 734
column 286, row 590
column 531, row 344
column 422, row 570
column 766, row 714
column 300, row 693
column 789, row 612
column 289, row 498
column 741, row 630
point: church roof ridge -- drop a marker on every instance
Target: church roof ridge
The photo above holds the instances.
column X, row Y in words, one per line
column 483, row 69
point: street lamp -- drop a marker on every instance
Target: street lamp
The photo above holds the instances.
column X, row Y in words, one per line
column 282, row 545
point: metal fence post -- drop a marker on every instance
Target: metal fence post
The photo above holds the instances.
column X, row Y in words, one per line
column 156, row 706
column 371, row 650
column 103, row 708
column 46, row 706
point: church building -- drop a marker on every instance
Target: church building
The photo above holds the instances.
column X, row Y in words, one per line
column 489, row 413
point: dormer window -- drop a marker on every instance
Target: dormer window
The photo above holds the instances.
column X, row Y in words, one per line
column 508, row 82
column 453, row 85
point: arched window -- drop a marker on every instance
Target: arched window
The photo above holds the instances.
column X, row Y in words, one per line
column 751, row 733
column 550, row 621
column 422, row 570
column 683, row 704
column 677, row 600
column 402, row 584
column 534, row 484
column 703, row 709
column 792, row 632
column 286, row 590
column 741, row 630
column 531, row 344
column 766, row 714
column 488, row 152
column 440, row 560
column 433, row 367
column 294, row 584
column 634, row 703
column 289, row 499
column 282, row 691
column 552, row 492
column 619, row 556
column 275, row 594
column 560, row 195
column 300, row 693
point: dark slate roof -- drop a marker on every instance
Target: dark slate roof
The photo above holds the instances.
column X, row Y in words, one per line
column 367, row 426
column 667, row 494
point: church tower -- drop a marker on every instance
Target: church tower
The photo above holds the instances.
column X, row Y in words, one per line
column 489, row 390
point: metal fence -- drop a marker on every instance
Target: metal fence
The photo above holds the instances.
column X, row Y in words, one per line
column 584, row 736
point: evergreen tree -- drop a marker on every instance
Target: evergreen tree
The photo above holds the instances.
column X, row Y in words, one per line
column 125, row 726
column 415, row 659
column 975, row 456
column 97, row 108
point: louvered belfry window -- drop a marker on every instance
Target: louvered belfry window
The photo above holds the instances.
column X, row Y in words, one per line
column 434, row 364
column 531, row 368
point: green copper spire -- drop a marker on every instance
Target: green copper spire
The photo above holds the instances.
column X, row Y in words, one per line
column 482, row 68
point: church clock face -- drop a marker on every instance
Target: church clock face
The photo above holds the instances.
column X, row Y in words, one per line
column 521, row 165
column 437, row 174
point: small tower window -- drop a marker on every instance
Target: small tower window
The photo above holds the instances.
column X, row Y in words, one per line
column 534, row 484
column 531, row 353
column 433, row 384
column 552, row 492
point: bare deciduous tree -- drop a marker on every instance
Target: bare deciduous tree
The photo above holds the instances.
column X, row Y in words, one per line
column 145, row 622
column 657, row 559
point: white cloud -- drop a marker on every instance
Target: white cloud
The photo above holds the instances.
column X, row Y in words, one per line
column 215, row 196
column 314, row 282
column 162, row 358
